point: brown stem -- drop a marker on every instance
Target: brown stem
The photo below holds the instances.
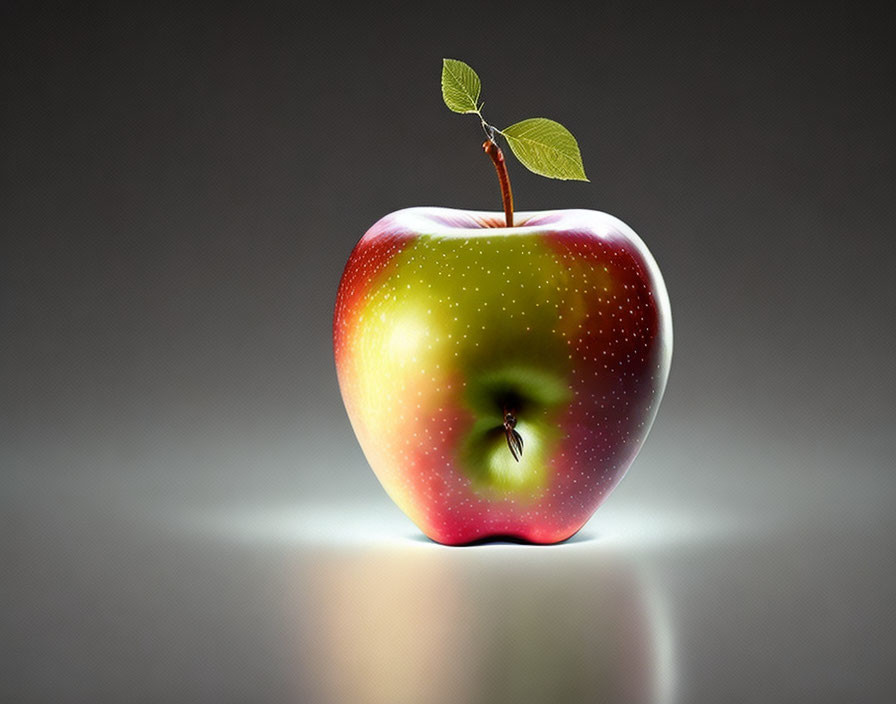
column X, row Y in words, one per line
column 494, row 151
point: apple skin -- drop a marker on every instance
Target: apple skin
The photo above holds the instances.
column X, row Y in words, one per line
column 444, row 318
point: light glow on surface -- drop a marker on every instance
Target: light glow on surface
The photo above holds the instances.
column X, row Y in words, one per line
column 399, row 616
column 364, row 525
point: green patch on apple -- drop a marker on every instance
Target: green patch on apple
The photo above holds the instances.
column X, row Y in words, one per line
column 536, row 396
column 487, row 309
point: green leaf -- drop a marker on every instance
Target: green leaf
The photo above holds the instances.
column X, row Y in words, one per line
column 546, row 148
column 460, row 86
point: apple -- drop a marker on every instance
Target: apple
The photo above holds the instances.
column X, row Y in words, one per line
column 501, row 380
column 501, row 373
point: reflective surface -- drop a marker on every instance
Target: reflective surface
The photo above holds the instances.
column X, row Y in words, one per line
column 258, row 599
column 405, row 625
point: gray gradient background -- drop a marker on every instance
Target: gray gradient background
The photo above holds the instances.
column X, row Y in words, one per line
column 186, row 515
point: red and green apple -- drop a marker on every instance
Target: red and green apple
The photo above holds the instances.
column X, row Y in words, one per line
column 501, row 370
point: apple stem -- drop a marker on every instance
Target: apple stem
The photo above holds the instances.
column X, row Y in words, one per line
column 494, row 151
column 514, row 439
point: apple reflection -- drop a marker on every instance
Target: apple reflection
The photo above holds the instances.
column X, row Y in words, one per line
column 424, row 623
